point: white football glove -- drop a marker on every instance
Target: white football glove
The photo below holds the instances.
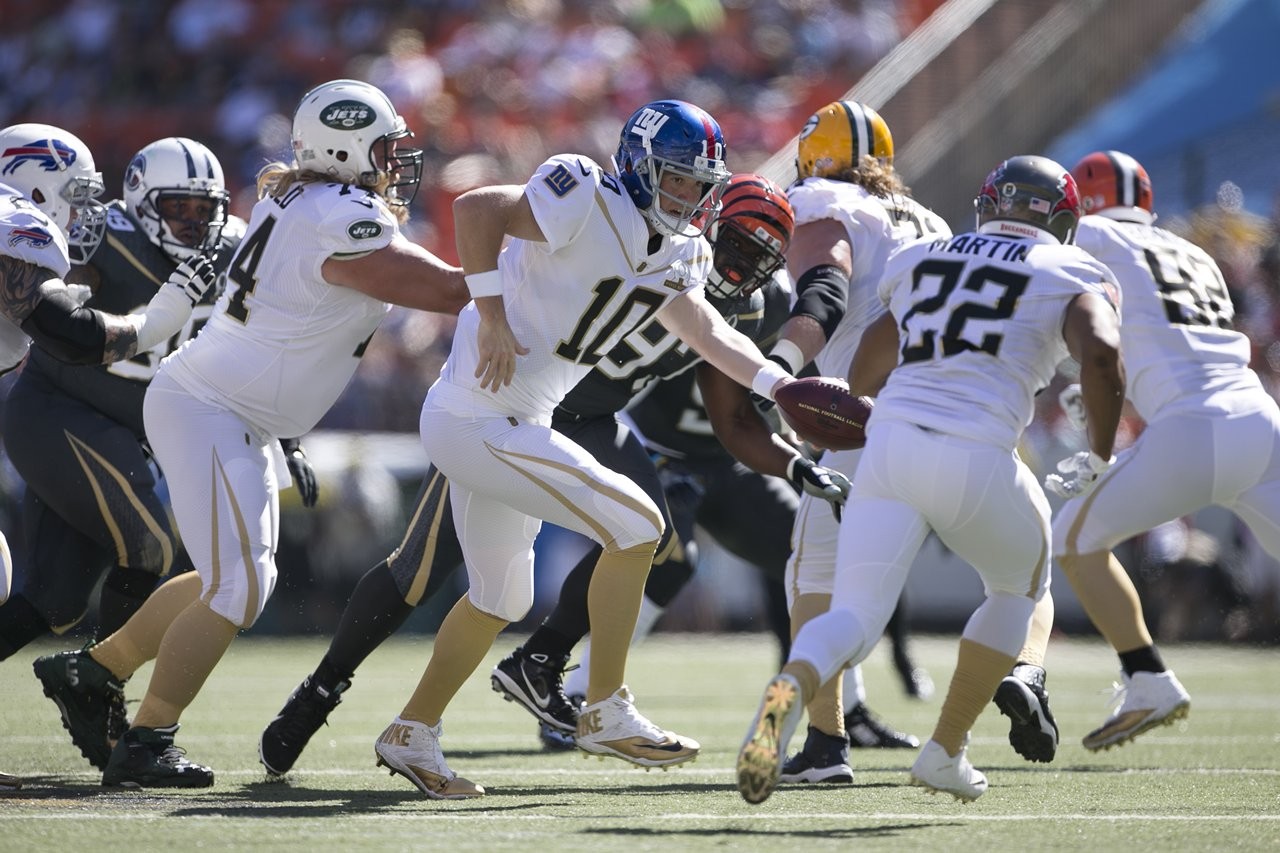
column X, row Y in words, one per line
column 1078, row 474
column 193, row 277
column 1072, row 402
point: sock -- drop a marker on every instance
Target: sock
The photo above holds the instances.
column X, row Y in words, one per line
column 979, row 670
column 546, row 640
column 139, row 640
column 1109, row 598
column 464, row 638
column 575, row 682
column 375, row 611
column 194, row 643
column 569, row 618
column 853, row 690
column 20, row 623
column 1145, row 659
column 613, row 603
column 1037, row 644
column 123, row 592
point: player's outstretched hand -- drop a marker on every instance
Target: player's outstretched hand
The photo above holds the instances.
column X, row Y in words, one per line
column 1077, row 474
column 831, row 486
column 193, row 277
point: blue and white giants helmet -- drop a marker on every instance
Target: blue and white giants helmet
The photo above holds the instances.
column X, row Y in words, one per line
column 672, row 137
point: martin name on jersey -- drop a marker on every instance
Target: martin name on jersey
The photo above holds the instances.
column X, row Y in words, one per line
column 990, row 309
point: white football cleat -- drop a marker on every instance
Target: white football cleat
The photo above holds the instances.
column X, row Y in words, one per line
column 614, row 727
column 762, row 753
column 412, row 750
column 1146, row 700
column 937, row 771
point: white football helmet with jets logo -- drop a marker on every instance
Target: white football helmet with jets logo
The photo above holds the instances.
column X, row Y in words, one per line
column 348, row 130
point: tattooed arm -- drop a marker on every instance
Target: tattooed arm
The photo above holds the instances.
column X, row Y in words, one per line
column 38, row 302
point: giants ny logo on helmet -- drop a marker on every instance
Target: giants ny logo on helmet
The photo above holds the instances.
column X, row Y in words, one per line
column 649, row 122
column 51, row 155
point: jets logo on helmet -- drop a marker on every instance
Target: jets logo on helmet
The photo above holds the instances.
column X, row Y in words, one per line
column 672, row 138
column 1113, row 179
column 350, row 131
column 750, row 237
column 838, row 136
column 1027, row 196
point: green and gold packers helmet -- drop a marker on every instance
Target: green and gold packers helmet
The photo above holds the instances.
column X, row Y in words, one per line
column 836, row 138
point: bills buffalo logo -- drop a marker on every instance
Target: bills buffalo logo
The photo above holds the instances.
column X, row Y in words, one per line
column 51, row 155
column 347, row 115
column 37, row 237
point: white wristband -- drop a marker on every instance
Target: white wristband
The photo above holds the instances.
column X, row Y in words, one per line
column 484, row 284
column 766, row 377
column 789, row 353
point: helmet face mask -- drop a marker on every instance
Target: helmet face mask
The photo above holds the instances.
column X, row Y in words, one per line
column 1025, row 196
column 1109, row 179
column 666, row 138
column 175, row 189
column 55, row 170
column 836, row 138
column 350, row 131
column 751, row 236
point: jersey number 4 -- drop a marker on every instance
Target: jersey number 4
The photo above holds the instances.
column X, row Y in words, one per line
column 921, row 325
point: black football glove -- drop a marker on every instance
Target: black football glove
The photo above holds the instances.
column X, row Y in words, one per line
column 194, row 277
column 304, row 476
column 825, row 483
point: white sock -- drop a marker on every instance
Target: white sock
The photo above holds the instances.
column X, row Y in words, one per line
column 853, row 691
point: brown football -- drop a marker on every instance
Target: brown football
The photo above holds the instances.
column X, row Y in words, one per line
column 823, row 412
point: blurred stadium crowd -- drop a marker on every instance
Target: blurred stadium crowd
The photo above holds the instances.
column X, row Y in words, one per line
column 492, row 87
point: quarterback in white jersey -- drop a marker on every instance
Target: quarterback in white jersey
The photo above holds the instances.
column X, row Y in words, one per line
column 310, row 281
column 977, row 325
column 595, row 255
column 1212, row 433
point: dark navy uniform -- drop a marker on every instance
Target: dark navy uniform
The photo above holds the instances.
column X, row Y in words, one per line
column 75, row 435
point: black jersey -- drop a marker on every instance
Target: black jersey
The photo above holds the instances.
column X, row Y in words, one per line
column 646, row 356
column 129, row 268
column 671, row 416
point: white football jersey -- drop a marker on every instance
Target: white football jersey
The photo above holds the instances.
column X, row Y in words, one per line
column 28, row 235
column 283, row 342
column 876, row 226
column 980, row 330
column 572, row 298
column 1180, row 350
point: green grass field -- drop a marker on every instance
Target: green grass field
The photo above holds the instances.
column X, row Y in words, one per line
column 1210, row 783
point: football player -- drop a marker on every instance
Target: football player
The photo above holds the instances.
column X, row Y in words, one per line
column 852, row 210
column 595, row 255
column 75, row 432
column 753, row 226
column 976, row 326
column 1212, row 434
column 322, row 259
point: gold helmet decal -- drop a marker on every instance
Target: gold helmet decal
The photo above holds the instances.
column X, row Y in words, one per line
column 838, row 136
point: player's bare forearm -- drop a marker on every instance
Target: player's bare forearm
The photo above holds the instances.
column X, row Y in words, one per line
column 875, row 358
column 739, row 426
column 402, row 273
column 1092, row 333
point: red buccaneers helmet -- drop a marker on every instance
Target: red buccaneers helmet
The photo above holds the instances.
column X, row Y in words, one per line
column 1112, row 179
column 750, row 237
column 1029, row 191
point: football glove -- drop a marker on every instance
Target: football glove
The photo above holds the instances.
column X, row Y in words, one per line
column 193, row 277
column 1071, row 399
column 304, row 476
column 831, row 486
column 1078, row 474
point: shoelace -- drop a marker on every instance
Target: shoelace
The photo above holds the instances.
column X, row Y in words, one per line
column 439, row 765
column 173, row 756
column 1118, row 689
column 639, row 720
